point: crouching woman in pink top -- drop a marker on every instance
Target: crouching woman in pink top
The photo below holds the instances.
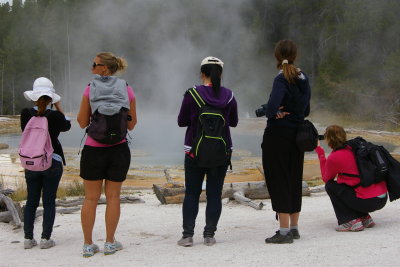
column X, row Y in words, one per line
column 351, row 204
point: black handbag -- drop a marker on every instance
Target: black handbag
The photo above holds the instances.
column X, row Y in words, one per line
column 307, row 136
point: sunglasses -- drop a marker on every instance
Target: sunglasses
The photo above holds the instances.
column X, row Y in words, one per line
column 94, row 65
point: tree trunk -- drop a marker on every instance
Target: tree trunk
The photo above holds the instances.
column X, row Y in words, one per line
column 5, row 216
column 11, row 208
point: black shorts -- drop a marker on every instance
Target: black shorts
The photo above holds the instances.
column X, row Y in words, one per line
column 111, row 163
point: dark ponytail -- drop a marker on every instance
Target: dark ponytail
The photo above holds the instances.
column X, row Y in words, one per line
column 42, row 103
column 213, row 71
column 285, row 54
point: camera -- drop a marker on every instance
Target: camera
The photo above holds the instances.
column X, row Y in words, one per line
column 321, row 137
column 260, row 112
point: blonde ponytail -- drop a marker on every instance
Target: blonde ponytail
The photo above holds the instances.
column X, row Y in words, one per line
column 122, row 64
column 113, row 63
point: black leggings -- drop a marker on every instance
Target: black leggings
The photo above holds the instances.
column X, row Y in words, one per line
column 347, row 205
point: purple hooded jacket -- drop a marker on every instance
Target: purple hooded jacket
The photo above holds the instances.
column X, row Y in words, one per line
column 189, row 113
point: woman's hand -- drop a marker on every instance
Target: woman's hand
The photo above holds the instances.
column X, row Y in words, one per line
column 58, row 107
column 281, row 114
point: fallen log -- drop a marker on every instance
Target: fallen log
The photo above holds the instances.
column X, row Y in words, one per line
column 70, row 210
column 6, row 192
column 175, row 193
column 16, row 219
column 317, row 189
column 102, row 200
column 239, row 197
column 5, row 216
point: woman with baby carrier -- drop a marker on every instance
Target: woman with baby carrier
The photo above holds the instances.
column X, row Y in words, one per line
column 41, row 182
column 108, row 109
column 288, row 105
column 351, row 202
column 207, row 110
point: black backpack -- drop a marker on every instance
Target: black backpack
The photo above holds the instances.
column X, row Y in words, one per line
column 109, row 129
column 306, row 136
column 371, row 160
column 210, row 144
column 393, row 179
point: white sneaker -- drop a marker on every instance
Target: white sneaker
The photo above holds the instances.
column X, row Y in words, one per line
column 44, row 243
column 90, row 250
column 29, row 243
column 111, row 248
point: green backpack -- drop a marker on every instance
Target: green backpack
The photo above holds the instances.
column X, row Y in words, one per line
column 210, row 146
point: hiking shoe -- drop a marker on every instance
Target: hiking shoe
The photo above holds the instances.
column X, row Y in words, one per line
column 209, row 241
column 186, row 241
column 47, row 243
column 90, row 250
column 351, row 226
column 295, row 233
column 111, row 248
column 29, row 243
column 280, row 239
column 367, row 221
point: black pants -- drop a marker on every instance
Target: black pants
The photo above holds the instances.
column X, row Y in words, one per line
column 194, row 177
column 347, row 205
column 37, row 182
column 283, row 168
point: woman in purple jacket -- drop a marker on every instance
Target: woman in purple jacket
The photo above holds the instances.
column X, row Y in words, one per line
column 219, row 98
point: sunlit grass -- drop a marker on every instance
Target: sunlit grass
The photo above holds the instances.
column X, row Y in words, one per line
column 70, row 190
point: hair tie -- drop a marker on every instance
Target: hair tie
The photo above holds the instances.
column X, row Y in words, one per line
column 285, row 61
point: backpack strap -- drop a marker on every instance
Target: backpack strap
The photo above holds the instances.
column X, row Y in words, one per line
column 349, row 175
column 196, row 96
column 352, row 175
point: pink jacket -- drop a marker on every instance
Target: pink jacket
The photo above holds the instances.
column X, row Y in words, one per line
column 343, row 161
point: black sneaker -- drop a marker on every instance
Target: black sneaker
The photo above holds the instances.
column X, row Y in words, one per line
column 295, row 233
column 280, row 239
column 209, row 241
column 186, row 241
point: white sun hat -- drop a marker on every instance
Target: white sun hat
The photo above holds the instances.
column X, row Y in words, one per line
column 212, row 60
column 42, row 86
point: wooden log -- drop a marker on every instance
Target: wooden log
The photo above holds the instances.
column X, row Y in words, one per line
column 6, row 192
column 69, row 210
column 317, row 189
column 169, row 193
column 11, row 207
column 174, row 193
column 239, row 197
column 19, row 210
column 5, row 216
column 102, row 200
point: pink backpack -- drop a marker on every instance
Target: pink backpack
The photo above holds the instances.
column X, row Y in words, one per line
column 35, row 149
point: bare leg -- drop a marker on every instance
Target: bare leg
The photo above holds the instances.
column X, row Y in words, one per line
column 113, row 192
column 294, row 219
column 284, row 220
column 88, row 211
